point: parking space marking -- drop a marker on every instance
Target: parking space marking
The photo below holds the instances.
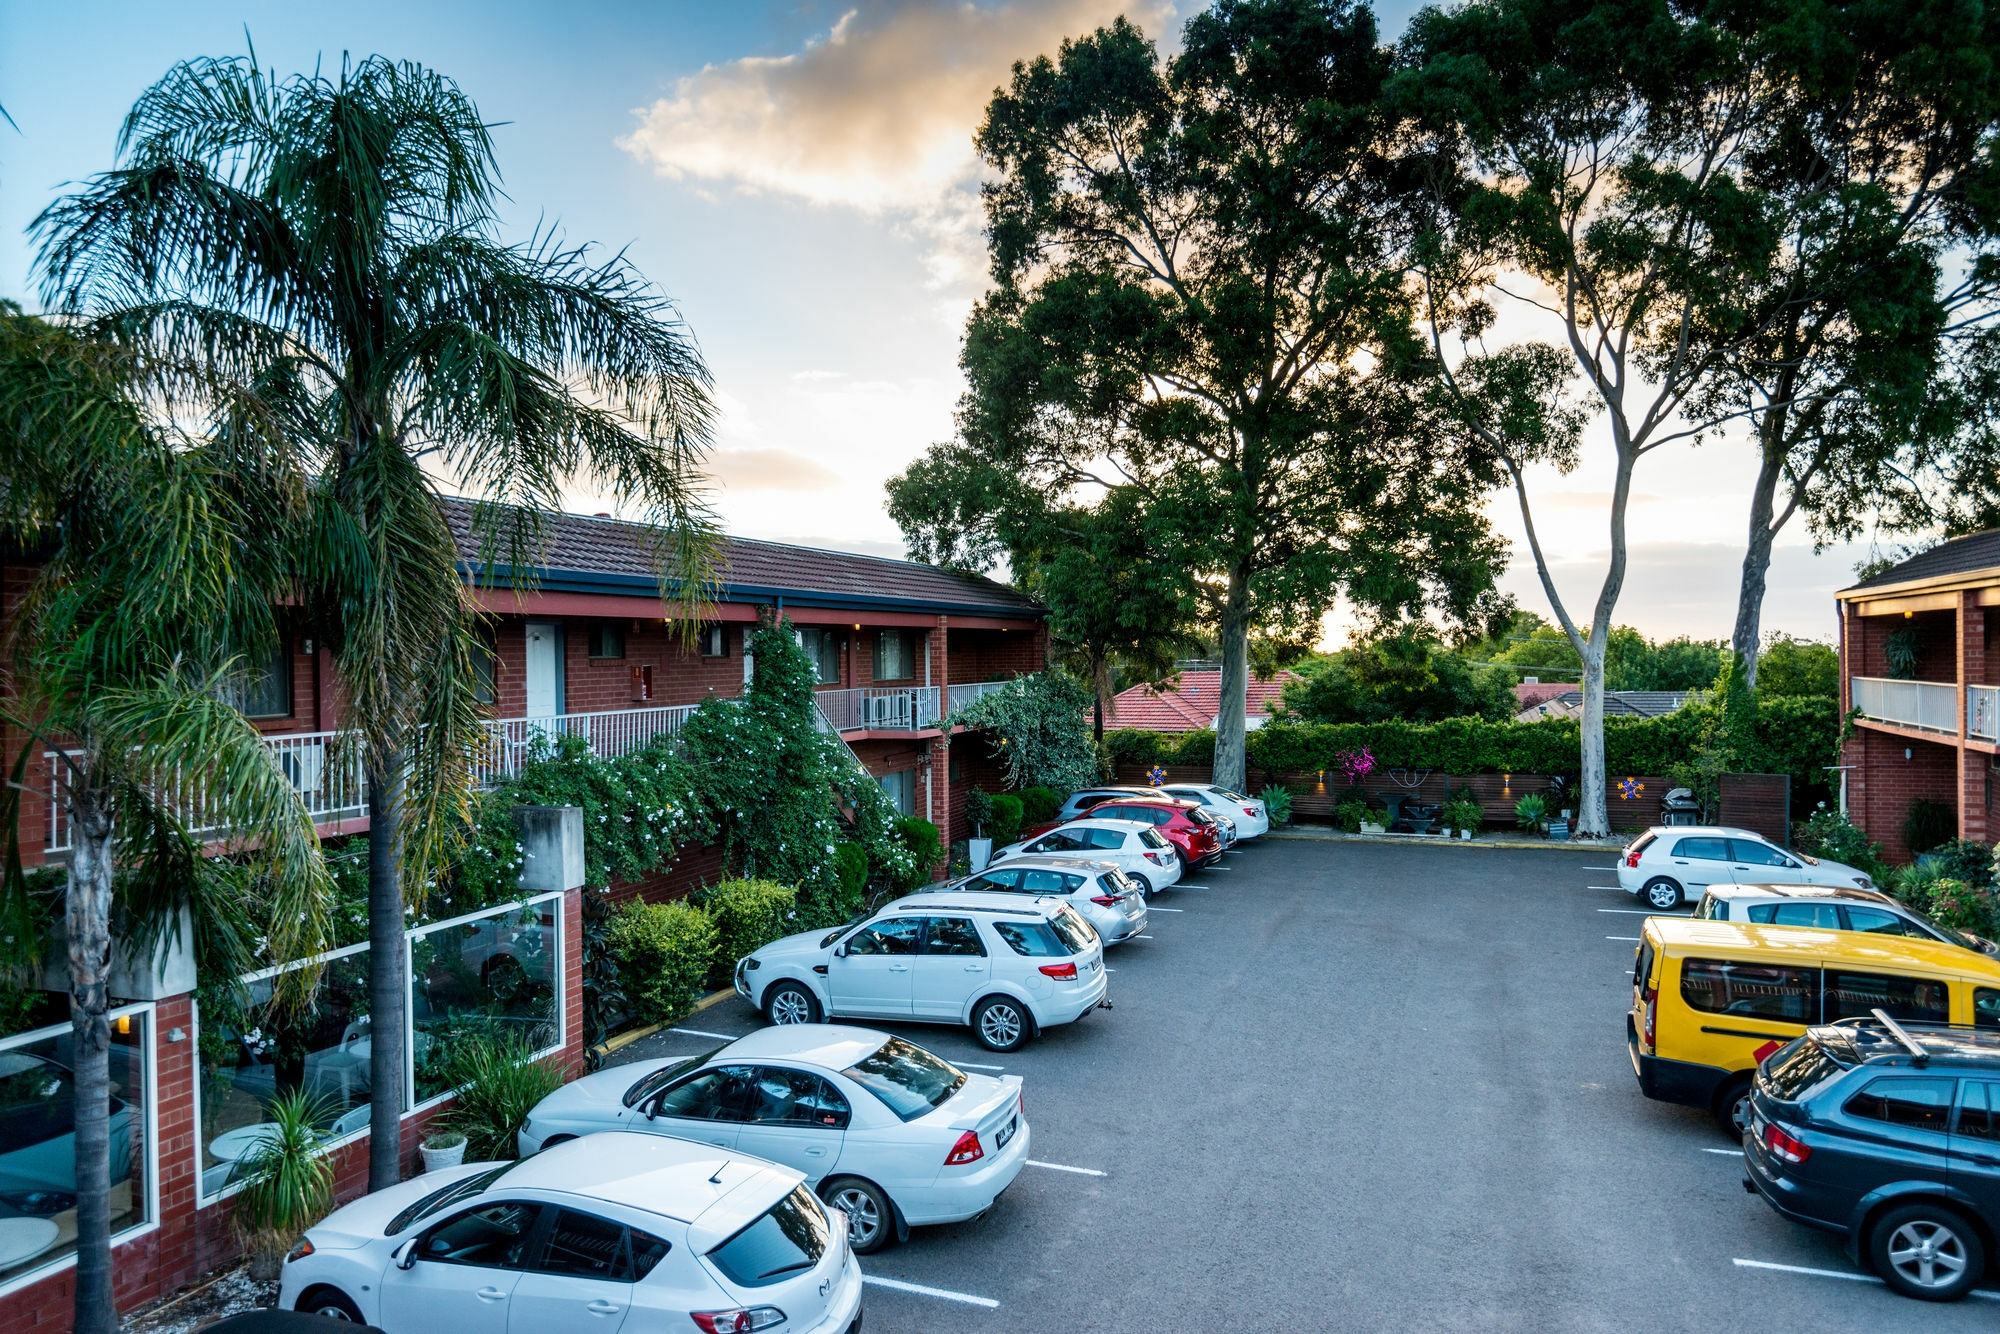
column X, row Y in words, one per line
column 1187, row 886
column 1221, row 868
column 1597, row 868
column 1634, row 939
column 974, row 1065
column 1064, row 1167
column 1733, row 1153
column 1987, row 1293
column 1151, row 908
column 704, row 1033
column 1145, row 937
column 1619, row 888
column 945, row 1293
column 1647, row 912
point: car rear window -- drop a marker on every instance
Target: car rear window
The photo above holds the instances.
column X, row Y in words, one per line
column 1037, row 940
column 1120, row 881
column 1752, row 990
column 1152, row 838
column 450, row 1195
column 786, row 1239
column 1797, row 1069
column 909, row 1080
column 1640, row 844
column 1642, row 968
column 1075, row 932
column 1200, row 816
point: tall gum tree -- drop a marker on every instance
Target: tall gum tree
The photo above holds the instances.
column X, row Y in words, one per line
column 1200, row 299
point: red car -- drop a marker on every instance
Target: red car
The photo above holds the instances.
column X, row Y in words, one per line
column 1185, row 824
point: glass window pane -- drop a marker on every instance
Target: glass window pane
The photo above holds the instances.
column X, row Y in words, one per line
column 1788, row 995
column 790, row 1237
column 1703, row 849
column 585, row 1246
column 1883, row 922
column 1003, row 881
column 38, row 1142
column 1751, row 852
column 953, row 935
column 263, row 687
column 1855, row 995
column 491, row 978
column 1823, row 915
column 647, row 1251
column 1923, row 1103
column 1979, row 1110
column 722, row 1094
column 1985, row 1008
column 781, row 1097
column 909, row 1080
column 493, row 1237
column 1045, row 882
column 898, row 935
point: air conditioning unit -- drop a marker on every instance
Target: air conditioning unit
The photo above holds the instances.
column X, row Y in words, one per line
column 888, row 710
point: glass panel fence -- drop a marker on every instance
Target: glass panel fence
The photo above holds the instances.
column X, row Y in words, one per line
column 491, row 977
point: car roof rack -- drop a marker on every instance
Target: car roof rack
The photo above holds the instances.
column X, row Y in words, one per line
column 1918, row 1054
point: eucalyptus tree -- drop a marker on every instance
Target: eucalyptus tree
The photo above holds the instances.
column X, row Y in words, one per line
column 1200, row 299
column 332, row 242
column 156, row 567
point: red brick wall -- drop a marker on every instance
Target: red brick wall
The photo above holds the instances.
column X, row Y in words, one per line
column 986, row 655
column 1883, row 783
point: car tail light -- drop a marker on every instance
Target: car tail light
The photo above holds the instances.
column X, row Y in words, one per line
column 967, row 1150
column 1632, row 859
column 1106, row 900
column 1157, row 858
column 1065, row 971
column 1652, row 1009
column 740, row 1321
column 1783, row 1145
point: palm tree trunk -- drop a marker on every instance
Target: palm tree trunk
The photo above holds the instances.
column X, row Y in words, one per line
column 387, row 965
column 87, row 924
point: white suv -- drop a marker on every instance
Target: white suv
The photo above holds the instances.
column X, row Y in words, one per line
column 1672, row 865
column 1139, row 850
column 1830, row 908
column 1101, row 893
column 1009, row 965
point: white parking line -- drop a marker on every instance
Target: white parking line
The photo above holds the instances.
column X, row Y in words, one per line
column 974, row 1065
column 1598, row 868
column 704, row 1033
column 1145, row 937
column 1647, row 912
column 1193, row 886
column 1619, row 888
column 1988, row 1294
column 946, row 1293
column 1733, row 1153
column 1634, row 939
column 1221, row 868
column 1151, row 908
column 1063, row 1167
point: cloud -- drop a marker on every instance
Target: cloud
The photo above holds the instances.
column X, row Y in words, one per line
column 768, row 470
column 876, row 116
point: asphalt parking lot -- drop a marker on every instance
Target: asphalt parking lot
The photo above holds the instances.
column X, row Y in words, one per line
column 1365, row 1086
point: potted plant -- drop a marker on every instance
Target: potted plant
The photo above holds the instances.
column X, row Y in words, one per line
column 287, row 1181
column 978, row 813
column 1464, row 814
column 443, row 1148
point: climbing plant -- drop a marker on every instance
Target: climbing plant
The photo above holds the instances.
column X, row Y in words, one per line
column 1039, row 731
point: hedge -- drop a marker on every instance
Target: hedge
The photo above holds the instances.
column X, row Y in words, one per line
column 664, row 952
column 1796, row 736
column 748, row 915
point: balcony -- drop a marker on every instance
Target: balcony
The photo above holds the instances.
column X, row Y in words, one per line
column 880, row 708
column 1928, row 706
column 957, row 697
column 610, row 734
column 1982, row 713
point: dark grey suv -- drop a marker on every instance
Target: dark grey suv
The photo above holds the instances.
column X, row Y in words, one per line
column 1888, row 1133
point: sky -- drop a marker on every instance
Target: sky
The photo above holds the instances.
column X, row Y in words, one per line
column 799, row 178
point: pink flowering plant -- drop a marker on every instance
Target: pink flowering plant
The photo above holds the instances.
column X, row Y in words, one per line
column 1355, row 764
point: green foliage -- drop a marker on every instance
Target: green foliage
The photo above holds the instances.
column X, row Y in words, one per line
column 1350, row 811
column 664, row 952
column 1902, row 651
column 1795, row 667
column 604, row 1002
column 1039, row 805
column 1965, row 860
column 850, row 864
column 1277, row 803
column 638, row 809
column 920, row 839
column 287, row 1177
column 1008, row 812
column 1464, row 812
column 1405, row 675
column 498, row 1082
column 748, row 914
column 1038, row 730
column 978, row 811
column 1531, row 812
column 1826, row 833
column 1631, row 661
column 1965, row 907
column 1928, row 824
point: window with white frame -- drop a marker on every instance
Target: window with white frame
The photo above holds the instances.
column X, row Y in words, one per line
column 823, row 647
column 262, row 685
column 902, row 789
column 493, row 976
column 38, row 1188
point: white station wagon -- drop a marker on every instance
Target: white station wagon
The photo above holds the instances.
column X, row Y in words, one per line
column 1113, row 903
column 1006, row 964
column 1831, row 908
column 1139, row 850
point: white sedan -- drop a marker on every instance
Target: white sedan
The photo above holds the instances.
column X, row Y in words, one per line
column 601, row 1232
column 888, row 1133
column 1139, row 850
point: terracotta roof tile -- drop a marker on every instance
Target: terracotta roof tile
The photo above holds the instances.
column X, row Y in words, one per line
column 1192, row 703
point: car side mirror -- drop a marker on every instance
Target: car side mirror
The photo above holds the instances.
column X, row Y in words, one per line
column 405, row 1255
column 840, row 950
column 1791, row 865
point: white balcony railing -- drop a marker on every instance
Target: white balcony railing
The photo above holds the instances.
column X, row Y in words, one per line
column 1982, row 712
column 610, row 734
column 880, row 708
column 957, row 697
column 1931, row 706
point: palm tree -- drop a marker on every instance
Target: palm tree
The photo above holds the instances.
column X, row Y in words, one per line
column 330, row 240
column 153, row 566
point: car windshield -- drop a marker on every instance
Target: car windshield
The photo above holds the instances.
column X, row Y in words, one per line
column 909, row 1080
column 1950, row 933
column 789, row 1236
column 826, row 941
column 450, row 1195
column 665, row 1075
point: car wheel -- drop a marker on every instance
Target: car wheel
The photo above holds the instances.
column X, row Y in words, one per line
column 1927, row 1250
column 1662, row 893
column 330, row 1304
column 1000, row 1023
column 1145, row 885
column 870, row 1220
column 790, row 1003
column 1732, row 1108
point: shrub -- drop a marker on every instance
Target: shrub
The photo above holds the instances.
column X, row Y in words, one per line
column 1965, row 907
column 1827, row 833
column 1040, row 804
column 1964, row 859
column 1277, row 803
column 1915, row 884
column 499, row 1082
column 289, row 1182
column 1350, row 811
column 748, row 914
column 1464, row 812
column 664, row 953
column 920, row 839
column 604, row 1001
column 850, row 863
column 1928, row 824
column 978, row 812
column 1007, row 814
column 1038, row 729
column 1531, row 812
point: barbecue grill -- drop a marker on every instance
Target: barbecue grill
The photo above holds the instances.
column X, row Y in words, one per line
column 1680, row 807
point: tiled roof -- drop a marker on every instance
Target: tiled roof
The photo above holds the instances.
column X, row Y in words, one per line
column 748, row 569
column 1618, row 703
column 1980, row 551
column 1530, row 693
column 1192, row 702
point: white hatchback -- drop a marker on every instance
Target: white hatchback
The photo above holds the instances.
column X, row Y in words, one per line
column 1831, row 908
column 1669, row 865
column 1139, row 850
column 892, row 1135
column 1247, row 813
column 1008, row 965
column 595, row 1234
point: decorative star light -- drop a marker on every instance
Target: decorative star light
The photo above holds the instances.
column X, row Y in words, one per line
column 1156, row 775
column 1628, row 788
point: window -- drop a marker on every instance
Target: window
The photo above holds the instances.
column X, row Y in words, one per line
column 1883, row 922
column 1078, row 934
column 1034, row 939
column 1752, row 853
column 1796, row 1070
column 493, row 1237
column 1855, row 995
column 823, row 647
column 38, row 1139
column 898, row 935
column 1985, row 1008
column 1921, row 1103
column 1979, row 1111
column 902, row 789
column 263, row 686
column 909, row 1080
column 721, row 1094
column 711, row 642
column 486, row 668
column 584, row 1246
column 1003, row 881
column 781, row 1097
column 1061, row 841
column 895, row 655
column 1824, row 915
column 1703, row 849
column 790, row 1236
column 1154, row 839
column 438, row 1200
column 665, row 1075
column 954, row 935
column 495, row 976
column 607, row 639
column 1049, row 882
column 1754, row 991
column 1107, row 840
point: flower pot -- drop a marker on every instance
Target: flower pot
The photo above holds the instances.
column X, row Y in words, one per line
column 980, row 851
column 1368, row 828
column 1559, row 830
column 1465, row 835
column 451, row 1156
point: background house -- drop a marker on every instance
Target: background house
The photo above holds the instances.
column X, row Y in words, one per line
column 1190, row 701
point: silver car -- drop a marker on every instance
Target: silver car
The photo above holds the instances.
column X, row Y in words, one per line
column 1111, row 901
column 1830, row 908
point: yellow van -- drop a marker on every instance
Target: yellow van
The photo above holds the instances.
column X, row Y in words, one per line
column 1712, row 999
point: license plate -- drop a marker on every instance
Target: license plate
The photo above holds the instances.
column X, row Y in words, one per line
column 1000, row 1140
